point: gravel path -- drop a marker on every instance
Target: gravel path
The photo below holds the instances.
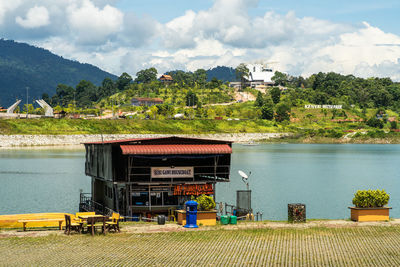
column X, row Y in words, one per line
column 7, row 141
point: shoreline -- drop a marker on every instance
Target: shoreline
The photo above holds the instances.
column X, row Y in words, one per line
column 53, row 141
column 76, row 141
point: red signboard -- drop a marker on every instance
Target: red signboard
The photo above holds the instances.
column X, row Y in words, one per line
column 193, row 190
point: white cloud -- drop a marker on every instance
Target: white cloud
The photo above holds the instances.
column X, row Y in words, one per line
column 36, row 16
column 96, row 32
column 93, row 25
column 7, row 6
column 356, row 50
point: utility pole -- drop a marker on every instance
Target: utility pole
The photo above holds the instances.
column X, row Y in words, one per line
column 27, row 98
column 112, row 107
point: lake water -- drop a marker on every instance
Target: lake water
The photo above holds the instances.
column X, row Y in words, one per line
column 324, row 177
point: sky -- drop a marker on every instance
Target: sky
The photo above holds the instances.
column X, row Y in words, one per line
column 359, row 37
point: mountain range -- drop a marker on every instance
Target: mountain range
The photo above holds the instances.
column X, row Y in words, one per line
column 24, row 67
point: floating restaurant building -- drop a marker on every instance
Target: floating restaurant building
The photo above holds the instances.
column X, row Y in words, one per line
column 150, row 176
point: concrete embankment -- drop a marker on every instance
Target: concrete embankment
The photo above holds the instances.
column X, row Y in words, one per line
column 7, row 141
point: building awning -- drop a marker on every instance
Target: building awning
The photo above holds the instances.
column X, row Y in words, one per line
column 175, row 149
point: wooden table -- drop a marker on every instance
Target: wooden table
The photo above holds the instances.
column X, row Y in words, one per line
column 24, row 222
column 94, row 219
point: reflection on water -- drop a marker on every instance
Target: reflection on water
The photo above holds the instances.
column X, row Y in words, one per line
column 324, row 177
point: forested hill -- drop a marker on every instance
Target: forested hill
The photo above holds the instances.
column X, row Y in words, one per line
column 23, row 65
column 222, row 73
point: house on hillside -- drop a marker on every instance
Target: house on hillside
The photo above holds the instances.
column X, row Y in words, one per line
column 166, row 78
column 146, row 101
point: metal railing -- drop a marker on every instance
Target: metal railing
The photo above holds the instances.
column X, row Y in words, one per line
column 87, row 204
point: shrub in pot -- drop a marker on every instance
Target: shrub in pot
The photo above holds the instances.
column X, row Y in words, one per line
column 205, row 202
column 370, row 198
column 206, row 215
column 369, row 206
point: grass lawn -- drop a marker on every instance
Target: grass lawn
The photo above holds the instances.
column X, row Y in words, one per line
column 317, row 246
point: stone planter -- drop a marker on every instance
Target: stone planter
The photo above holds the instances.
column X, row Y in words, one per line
column 369, row 214
column 203, row 217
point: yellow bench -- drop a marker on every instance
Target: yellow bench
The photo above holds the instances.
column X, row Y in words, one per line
column 25, row 222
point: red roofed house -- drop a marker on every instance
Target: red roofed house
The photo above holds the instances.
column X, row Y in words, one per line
column 166, row 78
column 145, row 101
column 150, row 176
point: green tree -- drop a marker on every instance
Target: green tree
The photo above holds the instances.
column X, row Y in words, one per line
column 153, row 112
column 282, row 112
column 86, row 93
column 46, row 98
column 146, row 76
column 375, row 123
column 123, row 81
column 275, row 94
column 280, row 78
column 309, row 116
column 242, row 74
column 259, row 100
column 393, row 125
column 107, row 88
column 191, row 99
column 267, row 111
column 200, row 76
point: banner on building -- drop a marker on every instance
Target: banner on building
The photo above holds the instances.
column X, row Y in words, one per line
column 169, row 172
column 193, row 190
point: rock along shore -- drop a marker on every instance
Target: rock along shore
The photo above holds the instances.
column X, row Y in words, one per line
column 9, row 141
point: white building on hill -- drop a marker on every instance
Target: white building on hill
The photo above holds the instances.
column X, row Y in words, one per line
column 259, row 75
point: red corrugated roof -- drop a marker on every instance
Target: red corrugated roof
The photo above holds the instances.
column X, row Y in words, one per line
column 175, row 149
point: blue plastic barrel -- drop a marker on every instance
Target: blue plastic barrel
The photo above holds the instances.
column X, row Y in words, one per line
column 191, row 214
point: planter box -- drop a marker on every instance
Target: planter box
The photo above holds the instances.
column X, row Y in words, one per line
column 203, row 217
column 369, row 214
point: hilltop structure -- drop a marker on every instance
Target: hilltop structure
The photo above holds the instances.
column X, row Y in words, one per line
column 259, row 77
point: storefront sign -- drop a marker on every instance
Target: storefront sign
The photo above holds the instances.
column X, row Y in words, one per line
column 168, row 172
column 193, row 190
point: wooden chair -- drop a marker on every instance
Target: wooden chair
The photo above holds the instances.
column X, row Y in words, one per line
column 93, row 222
column 114, row 223
column 69, row 225
column 171, row 214
column 83, row 214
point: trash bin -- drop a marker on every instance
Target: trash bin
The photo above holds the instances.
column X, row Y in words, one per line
column 233, row 220
column 224, row 219
column 161, row 219
column 191, row 214
column 296, row 212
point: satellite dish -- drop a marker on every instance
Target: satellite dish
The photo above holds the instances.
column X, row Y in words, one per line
column 241, row 173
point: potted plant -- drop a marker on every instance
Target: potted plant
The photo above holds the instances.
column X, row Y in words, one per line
column 206, row 213
column 370, row 206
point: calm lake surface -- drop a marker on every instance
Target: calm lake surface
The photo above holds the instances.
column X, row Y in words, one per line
column 324, row 177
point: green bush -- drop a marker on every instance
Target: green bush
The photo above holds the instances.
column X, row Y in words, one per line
column 205, row 202
column 393, row 125
column 375, row 123
column 376, row 134
column 370, row 198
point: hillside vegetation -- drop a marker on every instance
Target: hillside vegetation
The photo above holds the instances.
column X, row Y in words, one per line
column 22, row 66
